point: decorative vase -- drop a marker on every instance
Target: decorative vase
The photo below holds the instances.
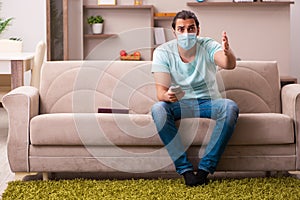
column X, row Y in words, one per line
column 7, row 45
column 97, row 28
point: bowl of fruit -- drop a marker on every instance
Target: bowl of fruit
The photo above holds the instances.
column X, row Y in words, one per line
column 133, row 56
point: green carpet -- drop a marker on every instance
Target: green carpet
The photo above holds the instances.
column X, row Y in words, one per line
column 286, row 188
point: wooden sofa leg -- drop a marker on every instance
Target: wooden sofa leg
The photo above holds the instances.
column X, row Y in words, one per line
column 20, row 175
column 295, row 174
column 45, row 176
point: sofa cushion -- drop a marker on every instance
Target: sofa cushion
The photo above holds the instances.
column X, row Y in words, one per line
column 138, row 129
column 93, row 129
column 263, row 128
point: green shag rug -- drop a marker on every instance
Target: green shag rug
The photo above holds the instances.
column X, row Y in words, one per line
column 286, row 188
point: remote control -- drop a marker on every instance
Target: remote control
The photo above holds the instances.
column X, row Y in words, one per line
column 177, row 89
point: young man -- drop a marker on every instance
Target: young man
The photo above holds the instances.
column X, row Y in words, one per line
column 191, row 62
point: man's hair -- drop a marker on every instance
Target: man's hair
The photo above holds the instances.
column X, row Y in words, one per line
column 185, row 14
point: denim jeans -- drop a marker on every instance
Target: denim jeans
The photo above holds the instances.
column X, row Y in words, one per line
column 223, row 111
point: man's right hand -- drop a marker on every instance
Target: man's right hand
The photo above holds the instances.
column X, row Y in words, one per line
column 175, row 96
column 162, row 84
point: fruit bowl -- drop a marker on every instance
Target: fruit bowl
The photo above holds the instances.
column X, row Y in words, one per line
column 130, row 57
column 134, row 56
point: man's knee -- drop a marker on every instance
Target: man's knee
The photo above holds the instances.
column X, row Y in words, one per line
column 159, row 109
column 227, row 108
column 232, row 107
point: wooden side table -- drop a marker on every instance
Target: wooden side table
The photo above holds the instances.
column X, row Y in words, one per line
column 19, row 63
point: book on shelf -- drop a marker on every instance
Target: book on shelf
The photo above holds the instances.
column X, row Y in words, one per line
column 159, row 35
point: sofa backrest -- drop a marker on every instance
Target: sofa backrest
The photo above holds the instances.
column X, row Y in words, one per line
column 253, row 85
column 85, row 86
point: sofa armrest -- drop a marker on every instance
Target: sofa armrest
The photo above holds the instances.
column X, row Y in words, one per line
column 21, row 105
column 290, row 96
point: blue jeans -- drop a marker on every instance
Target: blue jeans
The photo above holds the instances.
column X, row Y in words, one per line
column 223, row 111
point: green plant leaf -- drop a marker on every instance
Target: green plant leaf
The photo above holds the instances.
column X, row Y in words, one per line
column 4, row 24
column 95, row 19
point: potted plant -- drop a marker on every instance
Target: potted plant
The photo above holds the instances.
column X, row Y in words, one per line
column 97, row 23
column 4, row 22
column 11, row 44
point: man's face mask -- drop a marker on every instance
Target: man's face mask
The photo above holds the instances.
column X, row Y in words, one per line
column 186, row 40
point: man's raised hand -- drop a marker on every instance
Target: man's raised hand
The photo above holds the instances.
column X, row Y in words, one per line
column 225, row 43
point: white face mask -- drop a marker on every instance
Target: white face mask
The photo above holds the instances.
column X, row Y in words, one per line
column 186, row 40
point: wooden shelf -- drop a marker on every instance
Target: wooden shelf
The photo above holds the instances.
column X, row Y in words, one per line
column 99, row 36
column 119, row 7
column 232, row 4
column 163, row 18
column 140, row 16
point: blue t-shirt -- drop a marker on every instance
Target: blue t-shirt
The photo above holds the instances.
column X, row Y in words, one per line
column 197, row 78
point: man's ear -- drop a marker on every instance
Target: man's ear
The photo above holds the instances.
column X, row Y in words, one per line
column 198, row 31
column 174, row 33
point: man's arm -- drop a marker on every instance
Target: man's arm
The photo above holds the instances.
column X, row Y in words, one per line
column 225, row 58
column 162, row 84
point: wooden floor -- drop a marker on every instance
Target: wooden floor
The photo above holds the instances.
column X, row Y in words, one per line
column 5, row 174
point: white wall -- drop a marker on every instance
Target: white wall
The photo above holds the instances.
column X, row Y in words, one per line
column 29, row 21
column 29, row 24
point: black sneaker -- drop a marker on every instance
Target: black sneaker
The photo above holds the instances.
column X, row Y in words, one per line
column 190, row 178
column 202, row 177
